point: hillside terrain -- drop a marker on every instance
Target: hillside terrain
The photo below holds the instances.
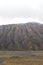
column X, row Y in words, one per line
column 28, row 36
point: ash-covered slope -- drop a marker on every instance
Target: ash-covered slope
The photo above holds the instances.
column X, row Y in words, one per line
column 27, row 36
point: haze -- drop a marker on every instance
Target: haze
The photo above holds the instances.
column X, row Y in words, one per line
column 21, row 11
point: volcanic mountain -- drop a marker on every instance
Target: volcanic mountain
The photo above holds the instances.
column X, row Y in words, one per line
column 28, row 36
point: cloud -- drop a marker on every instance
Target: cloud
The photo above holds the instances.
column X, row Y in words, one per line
column 18, row 8
column 4, row 21
column 22, row 10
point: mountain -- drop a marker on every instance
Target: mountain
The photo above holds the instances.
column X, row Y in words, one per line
column 28, row 36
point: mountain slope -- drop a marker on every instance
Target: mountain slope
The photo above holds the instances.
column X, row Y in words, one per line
column 27, row 36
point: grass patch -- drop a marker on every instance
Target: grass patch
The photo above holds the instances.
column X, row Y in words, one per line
column 23, row 61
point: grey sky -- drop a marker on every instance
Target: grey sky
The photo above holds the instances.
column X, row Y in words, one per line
column 17, row 11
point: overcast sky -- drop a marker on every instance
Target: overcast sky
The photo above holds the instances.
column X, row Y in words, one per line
column 21, row 11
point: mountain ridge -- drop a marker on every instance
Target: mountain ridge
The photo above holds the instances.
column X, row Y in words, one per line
column 28, row 36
